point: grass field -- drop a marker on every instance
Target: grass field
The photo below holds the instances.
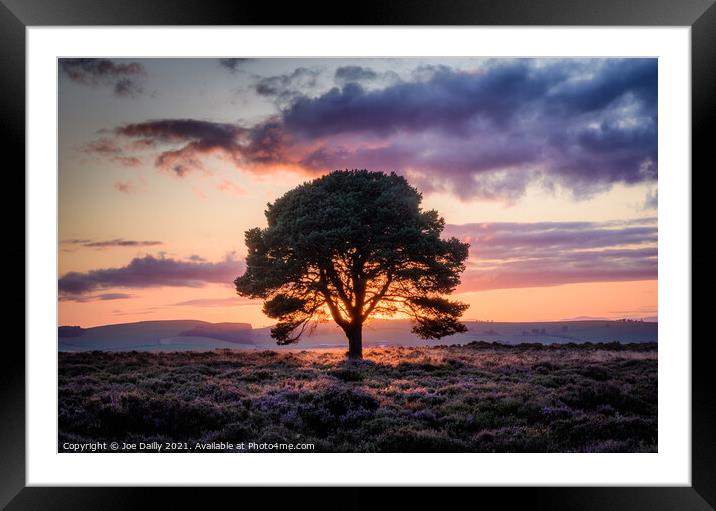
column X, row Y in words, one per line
column 475, row 398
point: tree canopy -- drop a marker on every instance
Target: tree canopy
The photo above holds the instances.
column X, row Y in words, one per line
column 351, row 245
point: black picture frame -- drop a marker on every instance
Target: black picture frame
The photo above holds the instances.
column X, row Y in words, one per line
column 16, row 15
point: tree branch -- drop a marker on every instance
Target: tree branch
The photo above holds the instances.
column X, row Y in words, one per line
column 377, row 298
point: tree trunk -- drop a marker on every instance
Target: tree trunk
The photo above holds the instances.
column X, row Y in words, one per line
column 355, row 342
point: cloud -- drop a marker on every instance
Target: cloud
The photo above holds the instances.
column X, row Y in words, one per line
column 502, row 255
column 233, row 64
column 449, row 100
column 109, row 149
column 347, row 74
column 584, row 126
column 118, row 312
column 124, row 187
column 192, row 140
column 150, row 271
column 184, row 144
column 285, row 88
column 205, row 133
column 365, row 76
column 231, row 188
column 102, row 146
column 113, row 296
column 93, row 298
column 505, row 240
column 491, row 132
column 125, row 79
column 127, row 161
column 515, row 255
column 652, row 200
column 559, row 269
column 117, row 242
column 235, row 301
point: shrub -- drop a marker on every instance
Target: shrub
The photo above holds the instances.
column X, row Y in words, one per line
column 483, row 397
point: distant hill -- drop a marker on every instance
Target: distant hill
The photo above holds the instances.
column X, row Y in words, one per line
column 189, row 335
column 239, row 333
column 70, row 331
column 174, row 335
column 387, row 332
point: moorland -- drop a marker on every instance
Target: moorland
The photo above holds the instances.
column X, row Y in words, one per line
column 477, row 397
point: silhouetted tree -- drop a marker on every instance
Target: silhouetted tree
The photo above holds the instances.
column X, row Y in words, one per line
column 351, row 245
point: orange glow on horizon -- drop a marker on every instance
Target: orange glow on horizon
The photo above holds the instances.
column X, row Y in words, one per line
column 216, row 304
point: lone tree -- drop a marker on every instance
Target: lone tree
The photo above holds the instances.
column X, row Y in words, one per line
column 352, row 245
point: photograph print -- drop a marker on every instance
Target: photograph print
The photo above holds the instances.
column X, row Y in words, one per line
column 357, row 255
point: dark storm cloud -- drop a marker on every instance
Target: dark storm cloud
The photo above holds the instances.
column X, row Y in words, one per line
column 595, row 89
column 117, row 242
column 205, row 133
column 184, row 144
column 458, row 164
column 125, row 79
column 584, row 125
column 447, row 101
column 265, row 144
column 150, row 271
column 510, row 255
column 194, row 138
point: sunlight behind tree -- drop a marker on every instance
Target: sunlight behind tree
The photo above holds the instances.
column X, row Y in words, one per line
column 349, row 246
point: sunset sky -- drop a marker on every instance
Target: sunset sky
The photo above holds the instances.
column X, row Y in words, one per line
column 548, row 167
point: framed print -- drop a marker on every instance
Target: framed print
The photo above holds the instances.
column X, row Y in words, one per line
column 455, row 237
